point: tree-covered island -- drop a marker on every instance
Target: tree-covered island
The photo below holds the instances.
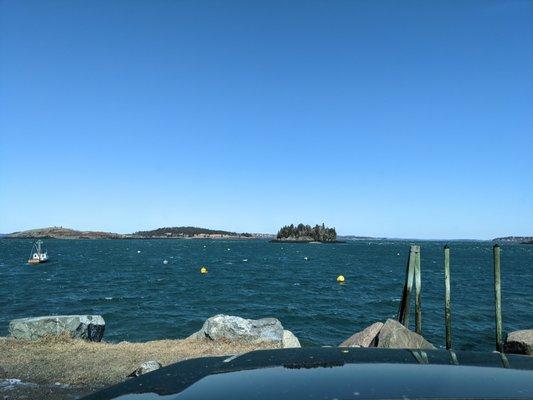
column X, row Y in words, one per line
column 306, row 233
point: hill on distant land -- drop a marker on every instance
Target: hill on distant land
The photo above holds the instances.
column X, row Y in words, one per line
column 515, row 239
column 186, row 231
column 174, row 232
column 64, row 233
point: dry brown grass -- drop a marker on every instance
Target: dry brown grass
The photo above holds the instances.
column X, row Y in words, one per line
column 77, row 362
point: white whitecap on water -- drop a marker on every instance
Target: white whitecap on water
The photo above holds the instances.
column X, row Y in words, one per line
column 138, row 251
column 108, row 298
column 245, row 260
column 165, row 262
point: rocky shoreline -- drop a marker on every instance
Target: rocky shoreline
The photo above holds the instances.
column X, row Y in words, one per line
column 65, row 357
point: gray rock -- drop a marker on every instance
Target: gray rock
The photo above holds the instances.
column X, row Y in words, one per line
column 289, row 340
column 519, row 342
column 146, row 367
column 394, row 335
column 237, row 329
column 88, row 327
column 366, row 338
column 196, row 336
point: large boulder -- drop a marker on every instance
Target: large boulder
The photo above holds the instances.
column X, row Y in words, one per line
column 394, row 335
column 289, row 340
column 366, row 338
column 237, row 329
column 519, row 342
column 88, row 327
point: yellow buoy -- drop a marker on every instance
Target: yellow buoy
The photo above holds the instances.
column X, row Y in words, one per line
column 340, row 279
column 203, row 270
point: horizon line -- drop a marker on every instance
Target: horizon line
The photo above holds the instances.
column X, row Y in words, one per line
column 381, row 237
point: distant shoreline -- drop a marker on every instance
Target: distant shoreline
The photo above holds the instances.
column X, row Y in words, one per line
column 185, row 233
column 126, row 237
column 182, row 232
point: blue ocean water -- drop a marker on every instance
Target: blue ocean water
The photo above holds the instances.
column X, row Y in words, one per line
column 141, row 298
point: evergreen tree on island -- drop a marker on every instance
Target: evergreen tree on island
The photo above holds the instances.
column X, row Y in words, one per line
column 301, row 232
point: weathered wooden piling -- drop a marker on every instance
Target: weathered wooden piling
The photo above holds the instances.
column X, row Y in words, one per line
column 497, row 296
column 447, row 300
column 418, row 290
column 403, row 312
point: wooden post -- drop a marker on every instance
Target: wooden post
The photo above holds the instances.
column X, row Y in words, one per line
column 403, row 312
column 418, row 289
column 447, row 300
column 497, row 296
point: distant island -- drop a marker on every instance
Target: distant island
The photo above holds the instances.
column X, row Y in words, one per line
column 306, row 234
column 188, row 232
column 58, row 232
column 355, row 237
column 180, row 232
column 515, row 239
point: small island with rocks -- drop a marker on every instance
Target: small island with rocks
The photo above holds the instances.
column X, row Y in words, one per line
column 306, row 234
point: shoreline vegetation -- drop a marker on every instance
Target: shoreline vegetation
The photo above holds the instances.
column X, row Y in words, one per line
column 75, row 361
column 64, row 356
column 50, row 361
column 80, row 367
column 306, row 234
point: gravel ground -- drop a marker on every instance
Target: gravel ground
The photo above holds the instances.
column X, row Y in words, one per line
column 65, row 368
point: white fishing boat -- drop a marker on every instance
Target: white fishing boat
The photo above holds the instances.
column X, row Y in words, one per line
column 37, row 255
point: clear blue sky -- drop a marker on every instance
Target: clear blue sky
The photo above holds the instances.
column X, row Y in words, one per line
column 387, row 118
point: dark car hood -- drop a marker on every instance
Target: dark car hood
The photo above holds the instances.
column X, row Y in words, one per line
column 336, row 373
